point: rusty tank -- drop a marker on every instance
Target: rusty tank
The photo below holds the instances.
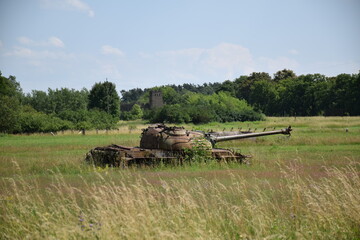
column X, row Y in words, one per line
column 160, row 143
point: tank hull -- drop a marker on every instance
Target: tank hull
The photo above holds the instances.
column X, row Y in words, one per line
column 122, row 156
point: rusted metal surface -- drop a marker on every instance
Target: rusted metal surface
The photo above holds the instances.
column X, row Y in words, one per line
column 215, row 139
column 171, row 138
column 170, row 145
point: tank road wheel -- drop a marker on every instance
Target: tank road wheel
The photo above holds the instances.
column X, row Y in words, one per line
column 122, row 163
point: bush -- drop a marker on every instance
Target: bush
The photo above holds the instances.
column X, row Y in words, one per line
column 93, row 119
column 202, row 114
column 199, row 108
column 135, row 113
column 32, row 121
column 100, row 120
column 169, row 113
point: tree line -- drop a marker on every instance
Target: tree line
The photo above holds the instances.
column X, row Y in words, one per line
column 56, row 110
column 246, row 98
column 284, row 94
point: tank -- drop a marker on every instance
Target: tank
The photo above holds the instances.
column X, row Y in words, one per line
column 161, row 143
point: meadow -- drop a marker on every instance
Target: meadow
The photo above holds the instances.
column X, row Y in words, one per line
column 306, row 186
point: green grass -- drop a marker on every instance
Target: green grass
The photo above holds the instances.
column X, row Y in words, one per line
column 303, row 187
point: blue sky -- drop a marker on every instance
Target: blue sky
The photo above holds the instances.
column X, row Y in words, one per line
column 75, row 43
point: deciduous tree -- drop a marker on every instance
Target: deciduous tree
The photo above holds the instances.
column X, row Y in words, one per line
column 103, row 96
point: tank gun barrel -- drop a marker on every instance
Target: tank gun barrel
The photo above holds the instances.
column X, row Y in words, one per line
column 216, row 139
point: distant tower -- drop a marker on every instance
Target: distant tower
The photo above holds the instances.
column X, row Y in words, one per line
column 156, row 99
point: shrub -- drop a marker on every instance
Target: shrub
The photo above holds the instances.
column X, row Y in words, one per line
column 135, row 113
column 199, row 108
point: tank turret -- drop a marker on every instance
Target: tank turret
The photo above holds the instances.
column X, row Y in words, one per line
column 171, row 138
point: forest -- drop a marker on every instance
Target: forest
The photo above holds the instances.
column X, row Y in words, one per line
column 246, row 98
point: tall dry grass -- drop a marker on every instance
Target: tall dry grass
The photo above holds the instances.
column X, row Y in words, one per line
column 123, row 205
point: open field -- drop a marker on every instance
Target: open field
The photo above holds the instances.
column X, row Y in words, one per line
column 303, row 187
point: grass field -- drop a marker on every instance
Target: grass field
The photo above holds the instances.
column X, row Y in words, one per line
column 303, row 187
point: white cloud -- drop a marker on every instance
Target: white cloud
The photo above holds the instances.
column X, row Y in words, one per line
column 52, row 41
column 190, row 56
column 224, row 60
column 111, row 71
column 56, row 42
column 276, row 64
column 230, row 57
column 25, row 41
column 20, row 52
column 109, row 50
column 77, row 5
column 189, row 52
column 43, row 61
column 144, row 55
column 38, row 56
column 1, row 44
column 81, row 6
column 293, row 51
